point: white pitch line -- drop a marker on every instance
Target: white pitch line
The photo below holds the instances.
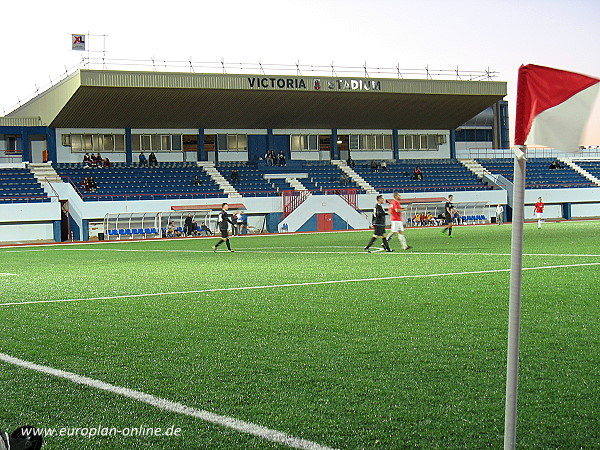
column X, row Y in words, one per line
column 167, row 405
column 286, row 250
column 308, row 283
column 7, row 274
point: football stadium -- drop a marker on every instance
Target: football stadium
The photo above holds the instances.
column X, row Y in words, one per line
column 126, row 326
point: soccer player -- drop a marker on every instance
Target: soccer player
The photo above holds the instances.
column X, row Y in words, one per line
column 397, row 225
column 449, row 210
column 224, row 222
column 539, row 212
column 379, row 226
column 499, row 214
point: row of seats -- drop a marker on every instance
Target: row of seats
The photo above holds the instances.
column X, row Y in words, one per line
column 18, row 185
column 538, row 174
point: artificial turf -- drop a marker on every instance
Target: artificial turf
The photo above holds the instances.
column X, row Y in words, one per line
column 372, row 360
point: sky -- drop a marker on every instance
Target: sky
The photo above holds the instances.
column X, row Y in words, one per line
column 442, row 34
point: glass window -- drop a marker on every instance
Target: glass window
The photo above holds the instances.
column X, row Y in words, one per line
column 432, row 141
column 165, row 143
column 242, row 142
column 109, row 142
column 155, row 142
column 222, row 142
column 296, row 142
column 388, row 142
column 98, row 141
column 87, row 143
column 76, row 143
column 176, row 142
column 232, row 142
column 66, row 140
column 145, row 143
column 120, row 142
column 313, row 142
column 135, row 142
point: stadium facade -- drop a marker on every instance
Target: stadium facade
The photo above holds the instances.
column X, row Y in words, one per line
column 227, row 118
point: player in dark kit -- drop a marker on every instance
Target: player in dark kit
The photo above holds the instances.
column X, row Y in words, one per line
column 379, row 226
column 224, row 222
column 449, row 211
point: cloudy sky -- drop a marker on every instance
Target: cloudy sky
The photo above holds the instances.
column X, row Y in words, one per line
column 442, row 34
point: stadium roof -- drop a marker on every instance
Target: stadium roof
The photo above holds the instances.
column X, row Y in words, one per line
column 147, row 100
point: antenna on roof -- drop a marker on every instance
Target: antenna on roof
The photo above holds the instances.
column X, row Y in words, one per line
column 153, row 66
column 223, row 64
column 298, row 68
column 398, row 70
column 457, row 73
column 191, row 66
column 261, row 67
column 366, row 73
column 427, row 71
column 333, row 74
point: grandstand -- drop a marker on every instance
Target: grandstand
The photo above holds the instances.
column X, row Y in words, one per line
column 539, row 175
column 131, row 182
column 438, row 175
column 20, row 186
column 210, row 124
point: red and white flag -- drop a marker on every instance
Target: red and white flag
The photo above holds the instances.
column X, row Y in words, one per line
column 553, row 107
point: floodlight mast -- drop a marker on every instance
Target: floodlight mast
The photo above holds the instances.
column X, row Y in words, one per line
column 514, row 308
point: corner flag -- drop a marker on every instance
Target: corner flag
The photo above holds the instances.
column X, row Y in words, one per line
column 553, row 106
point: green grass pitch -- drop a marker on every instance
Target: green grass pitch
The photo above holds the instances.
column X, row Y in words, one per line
column 391, row 357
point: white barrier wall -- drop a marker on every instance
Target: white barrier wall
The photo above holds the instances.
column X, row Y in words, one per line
column 28, row 221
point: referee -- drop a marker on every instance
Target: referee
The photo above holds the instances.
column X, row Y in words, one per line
column 379, row 226
column 224, row 222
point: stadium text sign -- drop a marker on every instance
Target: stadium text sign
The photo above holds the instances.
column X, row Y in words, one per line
column 315, row 84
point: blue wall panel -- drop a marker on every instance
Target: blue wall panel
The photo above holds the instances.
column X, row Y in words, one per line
column 257, row 146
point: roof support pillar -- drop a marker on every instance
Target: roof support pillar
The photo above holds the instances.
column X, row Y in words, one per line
column 25, row 146
column 395, row 144
column 201, row 152
column 51, row 144
column 453, row 144
column 128, row 148
column 335, row 153
column 270, row 144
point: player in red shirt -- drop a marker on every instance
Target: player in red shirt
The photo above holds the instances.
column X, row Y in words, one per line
column 397, row 225
column 539, row 211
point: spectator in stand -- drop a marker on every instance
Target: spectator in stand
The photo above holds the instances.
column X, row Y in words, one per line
column 235, row 176
column 281, row 158
column 106, row 163
column 87, row 160
column 152, row 161
column 374, row 166
column 350, row 162
column 85, row 185
column 268, row 158
column 143, row 160
column 93, row 186
column 98, row 161
column 384, row 166
column 344, row 178
column 196, row 181
column 417, row 174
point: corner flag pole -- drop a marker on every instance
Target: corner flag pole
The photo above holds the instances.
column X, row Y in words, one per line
column 514, row 309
